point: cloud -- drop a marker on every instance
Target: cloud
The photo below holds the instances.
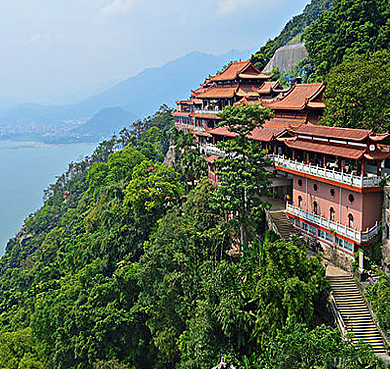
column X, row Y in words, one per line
column 118, row 7
column 230, row 7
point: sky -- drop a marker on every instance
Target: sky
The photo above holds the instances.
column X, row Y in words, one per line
column 57, row 52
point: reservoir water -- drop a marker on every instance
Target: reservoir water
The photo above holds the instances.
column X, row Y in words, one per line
column 26, row 169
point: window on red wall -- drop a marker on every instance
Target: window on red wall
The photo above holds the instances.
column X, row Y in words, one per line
column 350, row 220
column 299, row 202
column 315, row 207
column 331, row 214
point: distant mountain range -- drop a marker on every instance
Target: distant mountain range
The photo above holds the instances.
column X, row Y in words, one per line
column 136, row 96
column 103, row 124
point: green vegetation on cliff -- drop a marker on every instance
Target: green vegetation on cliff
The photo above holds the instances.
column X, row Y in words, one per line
column 292, row 31
column 352, row 28
column 126, row 267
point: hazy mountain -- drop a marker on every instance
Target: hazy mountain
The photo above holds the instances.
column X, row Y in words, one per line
column 144, row 93
column 104, row 124
column 140, row 95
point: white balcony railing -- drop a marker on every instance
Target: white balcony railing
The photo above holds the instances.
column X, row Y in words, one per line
column 341, row 229
column 371, row 180
column 212, row 149
column 207, row 111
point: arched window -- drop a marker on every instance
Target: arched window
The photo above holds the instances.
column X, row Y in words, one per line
column 299, row 202
column 350, row 220
column 331, row 214
column 315, row 207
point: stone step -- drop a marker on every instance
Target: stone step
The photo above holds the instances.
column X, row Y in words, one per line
column 355, row 313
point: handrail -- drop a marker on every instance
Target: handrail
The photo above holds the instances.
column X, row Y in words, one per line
column 207, row 111
column 354, row 234
column 332, row 174
column 385, row 338
column 339, row 319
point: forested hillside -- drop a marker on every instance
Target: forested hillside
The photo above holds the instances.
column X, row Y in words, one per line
column 127, row 266
column 349, row 49
column 134, row 264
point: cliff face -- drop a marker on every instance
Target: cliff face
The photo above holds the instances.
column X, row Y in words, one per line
column 286, row 58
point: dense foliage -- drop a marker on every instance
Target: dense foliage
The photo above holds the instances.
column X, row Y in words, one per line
column 244, row 178
column 127, row 266
column 357, row 93
column 379, row 297
column 292, row 31
column 352, row 28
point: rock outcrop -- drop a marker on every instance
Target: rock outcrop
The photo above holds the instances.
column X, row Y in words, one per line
column 286, row 58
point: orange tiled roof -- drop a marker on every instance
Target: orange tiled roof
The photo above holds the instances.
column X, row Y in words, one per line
column 246, row 100
column 316, row 105
column 298, row 97
column 215, row 92
column 268, row 86
column 205, row 116
column 333, row 132
column 189, row 102
column 238, row 69
column 197, row 132
column 290, row 123
column 377, row 155
column 181, row 114
column 211, row 158
column 324, row 148
column 247, row 91
column 199, row 91
column 265, row 134
column 222, row 131
column 379, row 136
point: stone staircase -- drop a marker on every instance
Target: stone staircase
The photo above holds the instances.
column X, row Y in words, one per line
column 280, row 224
column 355, row 314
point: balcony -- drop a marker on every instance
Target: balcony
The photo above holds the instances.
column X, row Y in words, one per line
column 212, row 149
column 334, row 175
column 352, row 234
column 208, row 111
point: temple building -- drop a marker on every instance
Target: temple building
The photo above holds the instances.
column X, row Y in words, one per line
column 336, row 183
column 239, row 80
column 333, row 177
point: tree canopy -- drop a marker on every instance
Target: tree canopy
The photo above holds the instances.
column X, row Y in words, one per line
column 357, row 93
column 352, row 28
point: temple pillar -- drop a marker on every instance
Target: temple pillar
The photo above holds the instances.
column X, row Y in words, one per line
column 293, row 155
column 364, row 163
column 378, row 168
column 324, row 161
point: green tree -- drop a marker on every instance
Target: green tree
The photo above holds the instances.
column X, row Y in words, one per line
column 18, row 351
column 169, row 270
column 93, row 317
column 243, row 173
column 352, row 28
column 379, row 296
column 190, row 162
column 297, row 347
column 152, row 191
column 357, row 93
